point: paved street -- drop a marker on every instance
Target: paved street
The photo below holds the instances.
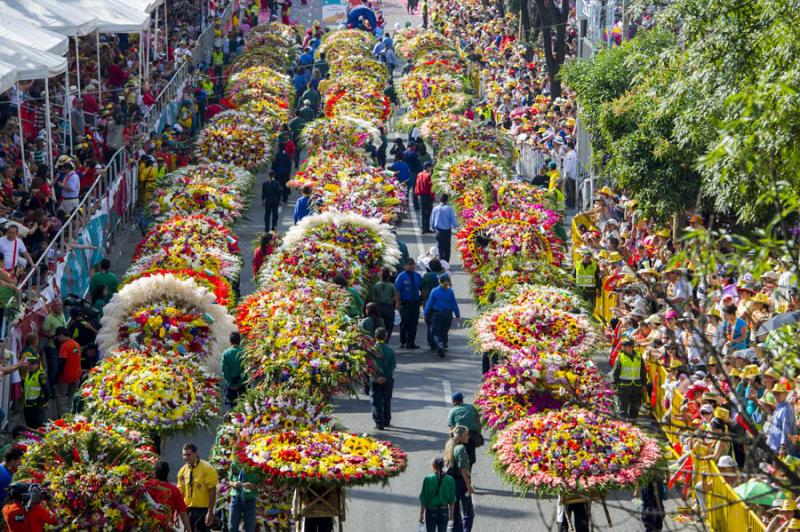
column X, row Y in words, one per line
column 421, row 398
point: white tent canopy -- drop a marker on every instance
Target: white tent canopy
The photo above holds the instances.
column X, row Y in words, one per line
column 53, row 15
column 34, row 36
column 30, row 63
column 113, row 16
column 148, row 6
column 8, row 75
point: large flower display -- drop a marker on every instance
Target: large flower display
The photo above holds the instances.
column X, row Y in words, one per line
column 338, row 45
column 316, row 260
column 259, row 82
column 422, row 85
column 167, row 314
column 507, row 329
column 505, row 195
column 553, row 297
column 423, row 42
column 97, row 474
column 574, row 451
column 185, row 233
column 216, row 284
column 340, row 134
column 501, row 234
column 357, row 97
column 300, row 458
column 211, row 260
column 214, row 174
column 457, row 174
column 372, row 243
column 363, row 67
column 220, row 203
column 153, row 393
column 259, row 116
column 492, row 281
column 530, row 383
column 242, row 145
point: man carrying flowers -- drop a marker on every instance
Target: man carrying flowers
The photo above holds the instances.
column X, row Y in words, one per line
column 629, row 375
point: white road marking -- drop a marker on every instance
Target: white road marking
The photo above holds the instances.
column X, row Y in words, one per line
column 448, row 392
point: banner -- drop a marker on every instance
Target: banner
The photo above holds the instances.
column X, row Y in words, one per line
column 334, row 12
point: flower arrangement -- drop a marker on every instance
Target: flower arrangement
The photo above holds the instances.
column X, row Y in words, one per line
column 507, row 329
column 316, row 260
column 275, row 58
column 574, row 451
column 259, row 82
column 449, row 102
column 525, row 295
column 346, row 43
column 241, row 145
column 342, row 134
column 214, row 174
column 211, row 260
column 216, row 284
column 299, row 458
column 258, row 116
column 530, row 383
column 362, row 67
column 97, row 474
column 421, row 85
column 324, row 168
column 220, row 203
column 369, row 192
column 502, row 234
column 421, row 43
column 357, row 97
column 441, row 128
column 151, row 393
column 505, row 194
column 371, row 242
column 167, row 314
column 457, row 174
column 435, row 61
column 272, row 111
column 493, row 280
column 184, row 233
column 502, row 147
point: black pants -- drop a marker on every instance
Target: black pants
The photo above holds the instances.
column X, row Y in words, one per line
column 386, row 311
column 580, row 518
column 283, row 180
column 443, row 238
column 465, row 513
column 630, row 399
column 426, row 204
column 436, row 519
column 488, row 362
column 381, row 395
column 197, row 519
column 34, row 416
column 440, row 328
column 409, row 317
column 271, row 217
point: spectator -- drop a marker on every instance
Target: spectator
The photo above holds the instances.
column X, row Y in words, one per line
column 69, row 366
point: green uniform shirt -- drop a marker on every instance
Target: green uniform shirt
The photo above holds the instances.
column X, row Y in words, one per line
column 107, row 279
column 403, row 255
column 446, row 486
column 388, row 361
column 50, row 324
column 460, row 457
column 429, row 281
column 466, row 415
column 232, row 365
column 356, row 303
column 383, row 293
column 242, row 475
column 368, row 326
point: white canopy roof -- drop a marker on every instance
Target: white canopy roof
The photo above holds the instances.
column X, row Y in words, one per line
column 148, row 6
column 113, row 16
column 30, row 63
column 53, row 15
column 32, row 35
column 7, row 76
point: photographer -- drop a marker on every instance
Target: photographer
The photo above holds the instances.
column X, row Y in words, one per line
column 25, row 512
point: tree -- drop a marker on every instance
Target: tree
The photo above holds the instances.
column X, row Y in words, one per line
column 552, row 24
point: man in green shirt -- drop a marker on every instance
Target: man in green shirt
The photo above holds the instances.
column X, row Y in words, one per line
column 466, row 415
column 431, row 279
column 51, row 323
column 103, row 278
column 353, row 310
column 386, row 296
column 244, row 485
column 232, row 369
column 382, row 383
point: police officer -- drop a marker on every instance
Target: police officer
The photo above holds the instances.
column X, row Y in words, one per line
column 587, row 276
column 36, row 394
column 629, row 378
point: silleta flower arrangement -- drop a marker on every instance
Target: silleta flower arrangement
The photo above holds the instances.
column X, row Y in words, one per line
column 153, row 393
column 530, row 383
column 214, row 174
column 241, row 145
column 357, row 97
column 363, row 67
column 213, row 261
column 258, row 117
column 167, row 314
column 457, row 174
column 221, row 203
column 216, row 284
column 346, row 43
column 553, row 297
column 259, row 82
column 371, row 242
column 574, row 451
column 423, row 42
column 492, row 281
column 500, row 195
column 183, row 234
column 316, row 260
column 302, row 458
column 97, row 474
column 341, row 134
column 507, row 329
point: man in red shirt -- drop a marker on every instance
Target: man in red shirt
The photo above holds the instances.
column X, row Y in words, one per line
column 69, row 364
column 169, row 497
column 18, row 519
column 424, row 190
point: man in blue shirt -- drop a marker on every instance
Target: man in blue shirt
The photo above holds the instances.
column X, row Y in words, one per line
column 411, row 157
column 783, row 425
column 402, row 171
column 11, row 462
column 303, row 206
column 439, row 310
column 443, row 221
column 408, row 284
column 306, row 58
column 299, row 81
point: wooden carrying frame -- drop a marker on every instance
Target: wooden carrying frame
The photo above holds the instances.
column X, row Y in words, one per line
column 318, row 502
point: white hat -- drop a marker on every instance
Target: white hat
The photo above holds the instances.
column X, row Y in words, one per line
column 726, row 461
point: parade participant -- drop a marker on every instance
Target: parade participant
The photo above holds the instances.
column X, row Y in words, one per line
column 21, row 516
column 439, row 310
column 303, row 206
column 271, row 194
column 168, row 496
column 423, row 189
column 457, row 463
column 242, row 509
column 409, row 285
column 11, row 462
column 386, row 296
column 382, row 383
column 587, row 276
column 69, row 367
column 232, row 372
column 437, row 498
column 443, row 221
column 36, row 393
column 629, row 375
column 197, row 481
column 467, row 415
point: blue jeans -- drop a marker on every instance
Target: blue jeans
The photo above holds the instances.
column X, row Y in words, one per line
column 242, row 510
column 440, row 327
column 436, row 519
column 465, row 513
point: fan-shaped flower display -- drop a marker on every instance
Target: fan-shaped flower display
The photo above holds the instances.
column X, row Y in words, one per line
column 316, row 260
column 242, row 145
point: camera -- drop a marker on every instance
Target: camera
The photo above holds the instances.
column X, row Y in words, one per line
column 29, row 494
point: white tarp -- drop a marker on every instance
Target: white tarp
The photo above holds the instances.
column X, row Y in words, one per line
column 113, row 16
column 30, row 63
column 148, row 6
column 50, row 14
column 8, row 75
column 34, row 36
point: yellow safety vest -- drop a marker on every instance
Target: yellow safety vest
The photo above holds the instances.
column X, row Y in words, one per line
column 161, row 171
column 584, row 274
column 558, row 201
column 33, row 388
column 630, row 368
